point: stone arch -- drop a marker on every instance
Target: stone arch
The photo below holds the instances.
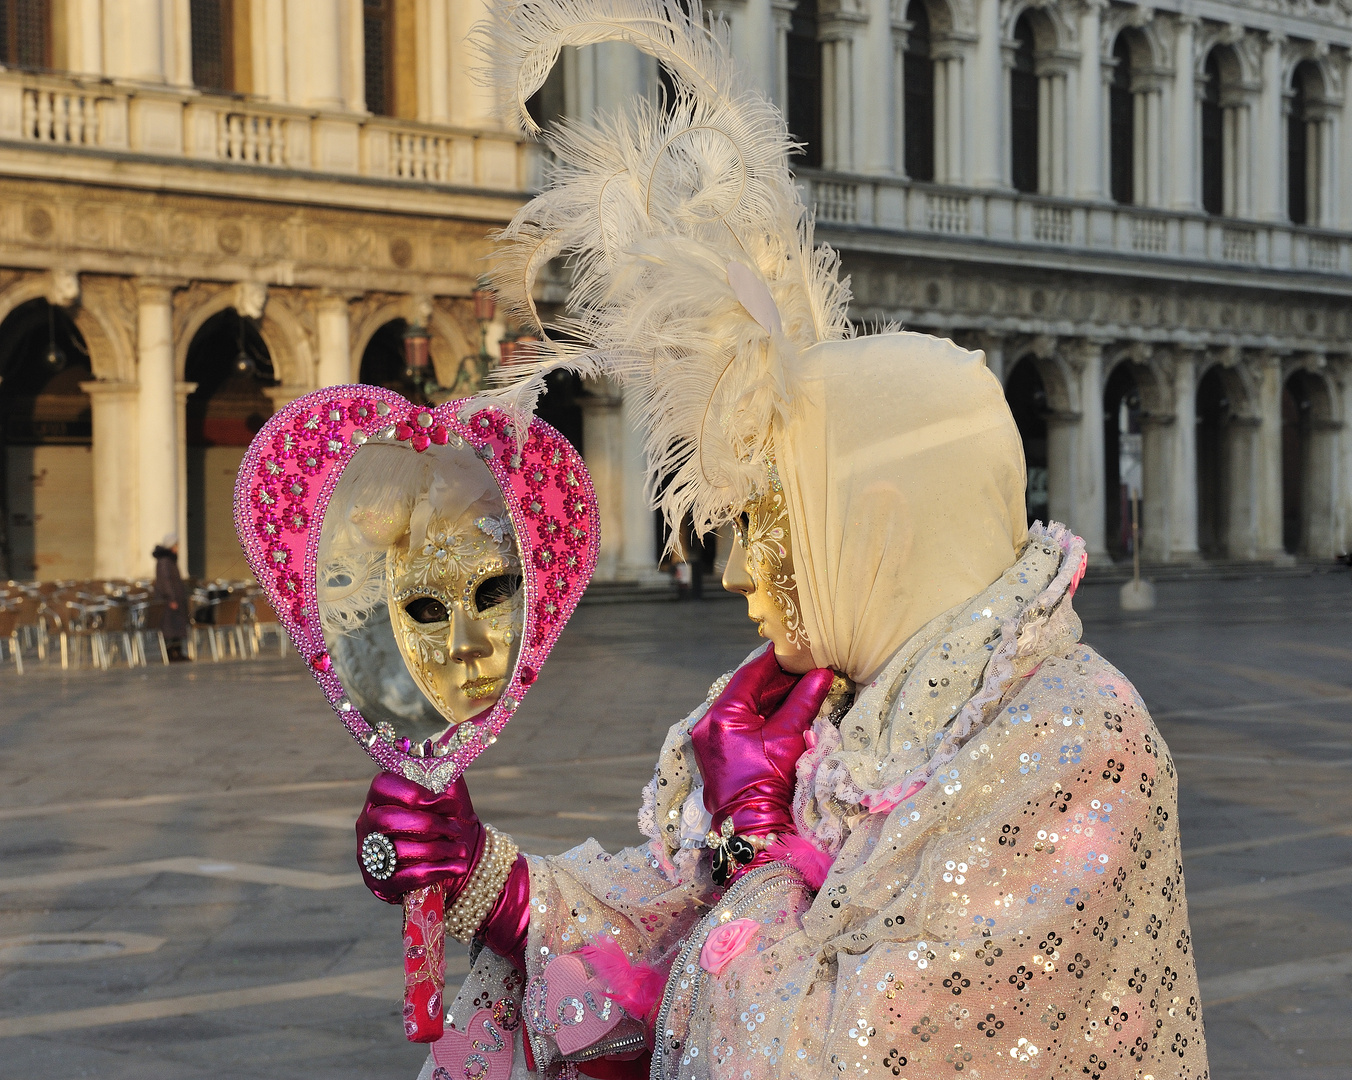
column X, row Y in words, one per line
column 1052, row 30
column 448, row 343
column 112, row 356
column 945, row 17
column 1234, row 51
column 283, row 333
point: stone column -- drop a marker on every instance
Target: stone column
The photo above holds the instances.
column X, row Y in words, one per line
column 1088, row 517
column 637, row 557
column 1089, row 130
column 181, row 392
column 267, row 47
column 990, row 87
column 1342, row 510
column 1157, row 443
column 1062, row 428
column 949, row 111
column 1324, row 132
column 314, row 53
column 603, row 440
column 876, row 114
column 471, row 102
column 433, row 26
column 1154, row 133
column 1183, row 188
column 84, row 24
column 759, row 45
column 117, row 547
column 1270, row 136
column 335, row 342
column 783, row 20
column 1268, row 466
column 1183, row 461
column 993, row 345
column 839, row 24
column 353, row 45
column 136, row 40
column 157, row 419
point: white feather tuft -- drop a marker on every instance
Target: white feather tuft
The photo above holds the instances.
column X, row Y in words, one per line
column 650, row 207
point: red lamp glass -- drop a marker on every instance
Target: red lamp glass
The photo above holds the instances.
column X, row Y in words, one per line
column 415, row 348
column 485, row 304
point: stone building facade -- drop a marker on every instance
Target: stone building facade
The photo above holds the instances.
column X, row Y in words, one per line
column 1142, row 213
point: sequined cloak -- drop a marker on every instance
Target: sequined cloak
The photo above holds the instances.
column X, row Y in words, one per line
column 1020, row 915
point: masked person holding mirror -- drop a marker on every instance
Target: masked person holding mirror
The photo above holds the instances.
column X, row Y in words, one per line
column 924, row 831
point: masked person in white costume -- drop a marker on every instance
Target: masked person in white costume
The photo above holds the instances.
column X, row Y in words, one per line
column 925, row 832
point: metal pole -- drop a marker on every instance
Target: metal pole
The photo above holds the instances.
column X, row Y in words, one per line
column 1136, row 537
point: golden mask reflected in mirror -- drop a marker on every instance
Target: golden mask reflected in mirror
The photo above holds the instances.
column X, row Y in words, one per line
column 420, row 588
column 760, row 567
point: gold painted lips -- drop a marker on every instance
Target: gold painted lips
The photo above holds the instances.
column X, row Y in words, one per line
column 478, row 689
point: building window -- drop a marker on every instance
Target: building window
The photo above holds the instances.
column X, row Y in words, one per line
column 1305, row 146
column 1122, row 126
column 212, row 59
column 919, row 105
column 378, row 28
column 27, row 29
column 1213, row 139
column 1023, row 107
column 1297, row 156
column 805, row 84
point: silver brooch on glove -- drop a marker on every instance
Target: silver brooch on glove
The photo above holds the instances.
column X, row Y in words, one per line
column 378, row 856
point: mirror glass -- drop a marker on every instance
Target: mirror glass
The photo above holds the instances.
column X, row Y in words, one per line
column 420, row 588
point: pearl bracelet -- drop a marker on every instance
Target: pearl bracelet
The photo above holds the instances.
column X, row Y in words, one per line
column 485, row 883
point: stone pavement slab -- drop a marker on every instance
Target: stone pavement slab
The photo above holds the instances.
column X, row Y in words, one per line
column 212, row 806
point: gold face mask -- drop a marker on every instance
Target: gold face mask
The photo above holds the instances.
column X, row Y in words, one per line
column 761, row 569
column 457, row 608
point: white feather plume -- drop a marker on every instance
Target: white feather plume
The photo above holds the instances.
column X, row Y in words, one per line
column 649, row 207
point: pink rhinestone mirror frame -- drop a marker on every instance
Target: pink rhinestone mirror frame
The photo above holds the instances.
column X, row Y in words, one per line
column 283, row 488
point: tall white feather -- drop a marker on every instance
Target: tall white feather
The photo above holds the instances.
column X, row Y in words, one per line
column 649, row 207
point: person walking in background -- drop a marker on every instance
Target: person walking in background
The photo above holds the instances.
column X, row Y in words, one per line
column 169, row 589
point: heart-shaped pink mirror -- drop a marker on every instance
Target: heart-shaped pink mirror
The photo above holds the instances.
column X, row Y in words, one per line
column 423, row 563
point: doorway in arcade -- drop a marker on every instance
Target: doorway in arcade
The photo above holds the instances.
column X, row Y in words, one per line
column 47, row 475
column 232, row 369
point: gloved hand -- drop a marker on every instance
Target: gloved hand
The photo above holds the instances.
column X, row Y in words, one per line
column 749, row 741
column 440, row 839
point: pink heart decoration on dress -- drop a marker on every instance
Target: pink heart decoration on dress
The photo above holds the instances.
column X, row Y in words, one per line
column 283, row 490
column 483, row 1051
column 569, row 1005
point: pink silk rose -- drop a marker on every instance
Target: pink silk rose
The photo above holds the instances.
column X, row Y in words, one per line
column 727, row 942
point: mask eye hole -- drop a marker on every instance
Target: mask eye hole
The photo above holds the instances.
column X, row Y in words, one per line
column 426, row 609
column 496, row 590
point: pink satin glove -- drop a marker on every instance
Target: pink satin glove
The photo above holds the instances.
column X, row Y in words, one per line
column 749, row 741
column 439, row 839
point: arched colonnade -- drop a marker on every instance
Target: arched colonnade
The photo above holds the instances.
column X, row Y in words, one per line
column 1234, row 454
column 168, row 409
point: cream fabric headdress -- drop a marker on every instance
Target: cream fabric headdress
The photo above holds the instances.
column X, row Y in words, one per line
column 904, row 477
column 694, row 269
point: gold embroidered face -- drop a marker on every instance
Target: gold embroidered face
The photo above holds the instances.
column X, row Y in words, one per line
column 760, row 567
column 457, row 608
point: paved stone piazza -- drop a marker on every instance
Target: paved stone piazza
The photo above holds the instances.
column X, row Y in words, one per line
column 183, row 837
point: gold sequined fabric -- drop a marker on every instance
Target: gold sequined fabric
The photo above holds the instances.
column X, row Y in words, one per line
column 1021, row 914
